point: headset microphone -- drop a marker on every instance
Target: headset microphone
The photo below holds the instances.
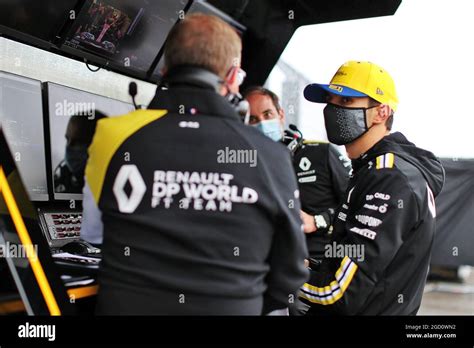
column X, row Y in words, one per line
column 293, row 138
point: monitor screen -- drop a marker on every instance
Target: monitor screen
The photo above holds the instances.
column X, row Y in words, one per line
column 72, row 119
column 128, row 33
column 21, row 116
column 39, row 18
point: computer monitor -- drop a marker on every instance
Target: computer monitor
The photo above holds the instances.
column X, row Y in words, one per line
column 73, row 113
column 21, row 116
column 128, row 33
column 39, row 18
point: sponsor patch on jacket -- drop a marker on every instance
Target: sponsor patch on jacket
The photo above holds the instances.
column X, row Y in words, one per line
column 377, row 195
column 380, row 208
column 307, row 179
column 368, row 220
column 342, row 216
column 305, row 163
column 364, row 232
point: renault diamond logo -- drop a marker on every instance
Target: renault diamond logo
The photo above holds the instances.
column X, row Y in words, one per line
column 305, row 163
column 128, row 204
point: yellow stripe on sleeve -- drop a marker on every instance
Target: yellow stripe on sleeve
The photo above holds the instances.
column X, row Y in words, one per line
column 379, row 162
column 335, row 290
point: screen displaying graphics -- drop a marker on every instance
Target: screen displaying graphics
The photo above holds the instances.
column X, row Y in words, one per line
column 103, row 27
column 128, row 33
column 73, row 115
column 38, row 18
column 21, row 117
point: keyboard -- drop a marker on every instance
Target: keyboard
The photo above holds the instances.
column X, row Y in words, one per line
column 61, row 227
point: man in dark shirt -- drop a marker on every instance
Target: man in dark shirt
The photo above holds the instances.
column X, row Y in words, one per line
column 321, row 170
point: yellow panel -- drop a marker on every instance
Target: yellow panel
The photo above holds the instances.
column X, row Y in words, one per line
column 82, row 292
column 110, row 134
column 28, row 245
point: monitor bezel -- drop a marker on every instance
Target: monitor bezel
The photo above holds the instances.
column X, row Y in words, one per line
column 30, row 292
column 45, row 196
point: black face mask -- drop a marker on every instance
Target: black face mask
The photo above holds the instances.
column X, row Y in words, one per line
column 76, row 159
column 344, row 125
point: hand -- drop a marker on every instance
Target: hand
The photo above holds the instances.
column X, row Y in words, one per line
column 309, row 226
column 306, row 263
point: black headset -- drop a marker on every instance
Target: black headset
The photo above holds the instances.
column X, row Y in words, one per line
column 200, row 77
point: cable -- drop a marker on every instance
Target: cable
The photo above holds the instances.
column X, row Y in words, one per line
column 88, row 67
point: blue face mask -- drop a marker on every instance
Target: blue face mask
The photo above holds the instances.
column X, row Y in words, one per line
column 76, row 159
column 271, row 128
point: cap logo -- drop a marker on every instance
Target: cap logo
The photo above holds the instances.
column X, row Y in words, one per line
column 336, row 88
column 379, row 91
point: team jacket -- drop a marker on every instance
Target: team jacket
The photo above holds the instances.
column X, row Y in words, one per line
column 378, row 260
column 200, row 212
column 322, row 174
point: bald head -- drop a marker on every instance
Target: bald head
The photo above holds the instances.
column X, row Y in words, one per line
column 205, row 41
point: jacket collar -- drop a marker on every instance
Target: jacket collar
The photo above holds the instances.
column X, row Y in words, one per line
column 194, row 100
column 386, row 144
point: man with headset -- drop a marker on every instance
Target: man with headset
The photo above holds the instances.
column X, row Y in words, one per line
column 192, row 227
column 384, row 229
column 321, row 170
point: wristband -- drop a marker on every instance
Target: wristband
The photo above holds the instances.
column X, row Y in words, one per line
column 320, row 222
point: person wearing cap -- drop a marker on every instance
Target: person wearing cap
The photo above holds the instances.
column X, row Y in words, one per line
column 383, row 233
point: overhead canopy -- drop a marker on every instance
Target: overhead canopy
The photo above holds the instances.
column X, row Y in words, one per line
column 271, row 24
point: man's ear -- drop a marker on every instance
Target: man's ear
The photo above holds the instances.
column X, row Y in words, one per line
column 232, row 75
column 281, row 114
column 383, row 113
column 232, row 80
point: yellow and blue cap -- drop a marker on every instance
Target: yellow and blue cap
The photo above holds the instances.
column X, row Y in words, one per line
column 357, row 79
